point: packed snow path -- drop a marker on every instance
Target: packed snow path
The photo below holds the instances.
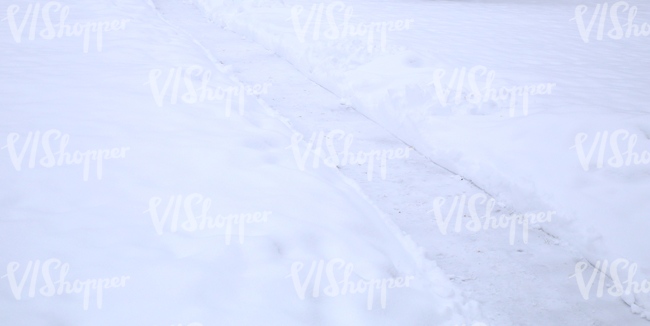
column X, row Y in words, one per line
column 520, row 284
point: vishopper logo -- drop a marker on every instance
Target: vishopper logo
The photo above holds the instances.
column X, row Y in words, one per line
column 616, row 33
column 49, row 159
column 334, row 33
column 476, row 96
column 617, row 289
column 203, row 221
column 49, row 289
column 615, row 161
column 474, row 224
column 334, row 161
column 49, row 32
column 205, row 92
column 333, row 290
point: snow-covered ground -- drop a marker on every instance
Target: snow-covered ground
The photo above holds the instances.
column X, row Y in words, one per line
column 231, row 188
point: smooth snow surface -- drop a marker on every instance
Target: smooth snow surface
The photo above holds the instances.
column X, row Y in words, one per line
column 153, row 220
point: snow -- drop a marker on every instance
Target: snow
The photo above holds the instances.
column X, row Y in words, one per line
column 206, row 214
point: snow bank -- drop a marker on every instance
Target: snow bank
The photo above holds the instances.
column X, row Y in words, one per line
column 174, row 219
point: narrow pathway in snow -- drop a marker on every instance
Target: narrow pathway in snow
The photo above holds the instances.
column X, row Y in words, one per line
column 519, row 284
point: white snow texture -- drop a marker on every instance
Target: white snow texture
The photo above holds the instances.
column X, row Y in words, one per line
column 296, row 162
